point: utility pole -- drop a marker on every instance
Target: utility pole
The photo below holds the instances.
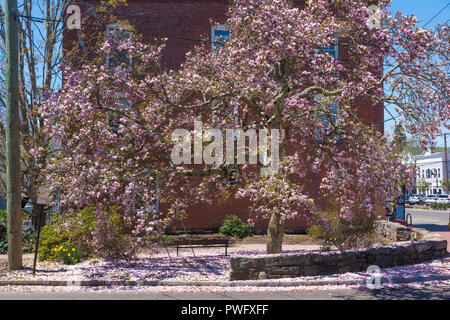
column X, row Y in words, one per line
column 446, row 163
column 13, row 202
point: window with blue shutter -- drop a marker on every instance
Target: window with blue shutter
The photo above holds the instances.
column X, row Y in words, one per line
column 113, row 121
column 332, row 50
column 119, row 57
column 327, row 118
column 219, row 36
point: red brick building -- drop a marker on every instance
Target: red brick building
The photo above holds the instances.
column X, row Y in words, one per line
column 184, row 23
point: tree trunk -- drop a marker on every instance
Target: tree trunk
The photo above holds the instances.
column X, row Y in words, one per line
column 275, row 234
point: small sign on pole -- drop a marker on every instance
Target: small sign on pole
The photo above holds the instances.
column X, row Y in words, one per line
column 42, row 197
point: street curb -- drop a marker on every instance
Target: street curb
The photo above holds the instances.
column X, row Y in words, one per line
column 171, row 283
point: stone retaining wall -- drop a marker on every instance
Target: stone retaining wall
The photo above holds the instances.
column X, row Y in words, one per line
column 314, row 263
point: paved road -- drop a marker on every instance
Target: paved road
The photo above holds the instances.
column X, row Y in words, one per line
column 430, row 218
column 423, row 293
column 435, row 221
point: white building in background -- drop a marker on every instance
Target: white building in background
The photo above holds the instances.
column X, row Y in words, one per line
column 431, row 167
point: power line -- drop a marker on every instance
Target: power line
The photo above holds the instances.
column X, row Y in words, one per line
column 448, row 4
column 40, row 20
column 43, row 20
column 393, row 118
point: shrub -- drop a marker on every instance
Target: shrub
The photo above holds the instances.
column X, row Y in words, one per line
column 107, row 239
column 439, row 206
column 3, row 232
column 68, row 254
column 234, row 227
column 344, row 234
column 28, row 236
column 52, row 235
column 81, row 229
column 28, row 240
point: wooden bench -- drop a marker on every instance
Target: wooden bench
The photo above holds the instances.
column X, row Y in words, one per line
column 181, row 243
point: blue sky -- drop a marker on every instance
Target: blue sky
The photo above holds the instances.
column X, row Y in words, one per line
column 424, row 10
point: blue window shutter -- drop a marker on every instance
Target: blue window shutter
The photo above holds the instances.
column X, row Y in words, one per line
column 219, row 36
column 332, row 50
column 326, row 120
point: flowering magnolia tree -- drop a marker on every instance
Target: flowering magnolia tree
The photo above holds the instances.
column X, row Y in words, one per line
column 115, row 121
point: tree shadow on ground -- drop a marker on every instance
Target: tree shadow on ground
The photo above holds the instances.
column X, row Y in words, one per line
column 161, row 268
column 403, row 293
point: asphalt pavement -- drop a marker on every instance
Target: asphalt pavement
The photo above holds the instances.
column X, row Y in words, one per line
column 432, row 220
column 404, row 293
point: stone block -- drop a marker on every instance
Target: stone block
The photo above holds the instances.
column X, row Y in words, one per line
column 310, row 271
column 239, row 275
column 422, row 247
column 294, row 270
column 420, row 234
column 345, row 269
column 316, row 259
column 291, row 260
column 280, row 271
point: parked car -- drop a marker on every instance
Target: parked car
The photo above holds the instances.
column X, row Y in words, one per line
column 431, row 198
column 416, row 199
column 443, row 198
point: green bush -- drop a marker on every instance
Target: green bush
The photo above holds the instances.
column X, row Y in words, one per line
column 3, row 232
column 439, row 206
column 342, row 233
column 52, row 235
column 77, row 229
column 234, row 227
column 28, row 240
column 28, row 236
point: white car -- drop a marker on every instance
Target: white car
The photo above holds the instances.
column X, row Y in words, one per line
column 416, row 199
column 443, row 198
column 431, row 198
